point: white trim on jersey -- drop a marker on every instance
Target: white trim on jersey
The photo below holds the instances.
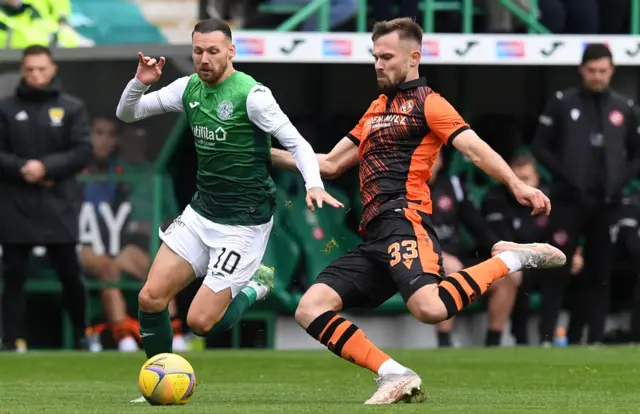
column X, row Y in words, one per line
column 265, row 113
column 134, row 105
column 262, row 110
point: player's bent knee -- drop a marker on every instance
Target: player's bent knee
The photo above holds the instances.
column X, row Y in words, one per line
column 201, row 324
column 431, row 313
column 151, row 299
column 426, row 305
column 317, row 300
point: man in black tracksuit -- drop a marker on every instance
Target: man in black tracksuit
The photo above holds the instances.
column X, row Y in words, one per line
column 451, row 208
column 588, row 139
column 44, row 143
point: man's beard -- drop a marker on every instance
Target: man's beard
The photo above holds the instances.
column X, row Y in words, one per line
column 214, row 77
column 387, row 85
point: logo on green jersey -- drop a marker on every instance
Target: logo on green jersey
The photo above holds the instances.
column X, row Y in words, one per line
column 225, row 109
column 208, row 137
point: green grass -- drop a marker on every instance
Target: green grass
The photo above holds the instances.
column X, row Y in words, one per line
column 511, row 380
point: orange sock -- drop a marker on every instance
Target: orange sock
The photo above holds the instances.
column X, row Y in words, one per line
column 120, row 330
column 176, row 324
column 347, row 341
column 460, row 289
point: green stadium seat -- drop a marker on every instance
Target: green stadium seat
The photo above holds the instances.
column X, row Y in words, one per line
column 283, row 254
column 323, row 236
column 395, row 304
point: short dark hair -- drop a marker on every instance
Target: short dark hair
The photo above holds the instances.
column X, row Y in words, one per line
column 213, row 25
column 521, row 160
column 405, row 26
column 35, row 50
column 595, row 51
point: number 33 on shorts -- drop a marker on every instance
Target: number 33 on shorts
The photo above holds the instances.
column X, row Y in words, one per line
column 405, row 251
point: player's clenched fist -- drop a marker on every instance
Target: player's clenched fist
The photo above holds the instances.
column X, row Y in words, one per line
column 319, row 196
column 149, row 69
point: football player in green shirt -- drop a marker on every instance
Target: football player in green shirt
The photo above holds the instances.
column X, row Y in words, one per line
column 222, row 235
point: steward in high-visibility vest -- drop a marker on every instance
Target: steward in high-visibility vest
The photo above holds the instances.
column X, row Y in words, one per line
column 57, row 12
column 21, row 25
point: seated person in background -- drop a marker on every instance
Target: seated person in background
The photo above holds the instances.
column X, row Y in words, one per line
column 134, row 259
column 450, row 208
column 626, row 270
column 510, row 222
column 384, row 9
column 341, row 11
column 102, row 222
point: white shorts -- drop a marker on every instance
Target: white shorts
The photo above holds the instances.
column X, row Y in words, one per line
column 226, row 255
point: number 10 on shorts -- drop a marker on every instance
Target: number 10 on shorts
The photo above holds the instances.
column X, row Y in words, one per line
column 229, row 260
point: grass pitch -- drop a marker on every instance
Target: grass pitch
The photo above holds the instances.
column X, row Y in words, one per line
column 509, row 380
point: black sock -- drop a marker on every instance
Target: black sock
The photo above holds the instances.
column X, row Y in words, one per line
column 493, row 338
column 444, row 339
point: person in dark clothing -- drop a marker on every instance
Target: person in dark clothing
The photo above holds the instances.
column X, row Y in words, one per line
column 511, row 222
column 570, row 16
column 451, row 208
column 44, row 142
column 626, row 239
column 588, row 139
column 383, row 9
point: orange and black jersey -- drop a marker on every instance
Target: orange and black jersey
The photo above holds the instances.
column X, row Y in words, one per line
column 399, row 138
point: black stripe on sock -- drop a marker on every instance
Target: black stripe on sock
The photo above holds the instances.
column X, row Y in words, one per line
column 315, row 328
column 348, row 333
column 461, row 292
column 331, row 330
column 449, row 302
column 471, row 283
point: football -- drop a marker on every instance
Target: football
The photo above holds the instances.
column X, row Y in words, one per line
column 167, row 379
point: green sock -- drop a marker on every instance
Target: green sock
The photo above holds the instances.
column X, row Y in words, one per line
column 156, row 332
column 234, row 312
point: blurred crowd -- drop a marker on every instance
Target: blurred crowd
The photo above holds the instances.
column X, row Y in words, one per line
column 41, row 22
column 46, row 22
column 490, row 16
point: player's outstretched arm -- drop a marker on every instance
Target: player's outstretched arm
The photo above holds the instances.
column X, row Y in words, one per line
column 134, row 105
column 341, row 158
column 489, row 161
column 446, row 124
column 265, row 113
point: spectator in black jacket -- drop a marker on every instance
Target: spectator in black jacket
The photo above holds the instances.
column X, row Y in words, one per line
column 44, row 143
column 512, row 222
column 626, row 238
column 451, row 207
column 588, row 139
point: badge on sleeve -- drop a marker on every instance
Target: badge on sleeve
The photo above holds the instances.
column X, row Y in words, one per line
column 56, row 115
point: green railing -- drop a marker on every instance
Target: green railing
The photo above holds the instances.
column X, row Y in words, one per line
column 429, row 10
column 168, row 149
column 323, row 7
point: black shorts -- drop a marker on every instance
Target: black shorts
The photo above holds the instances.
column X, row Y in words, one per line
column 400, row 253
